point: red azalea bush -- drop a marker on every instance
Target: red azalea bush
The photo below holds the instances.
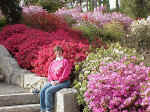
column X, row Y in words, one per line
column 10, row 30
column 33, row 49
column 73, row 51
column 25, row 46
column 39, row 18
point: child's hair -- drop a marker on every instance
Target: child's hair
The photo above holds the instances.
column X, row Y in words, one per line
column 58, row 48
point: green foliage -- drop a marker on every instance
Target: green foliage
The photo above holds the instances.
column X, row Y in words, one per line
column 92, row 63
column 2, row 22
column 69, row 20
column 113, row 31
column 139, row 36
column 11, row 10
column 89, row 30
column 136, row 8
column 51, row 5
column 30, row 2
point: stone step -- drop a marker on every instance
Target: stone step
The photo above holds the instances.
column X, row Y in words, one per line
column 18, row 99
column 21, row 108
column 10, row 89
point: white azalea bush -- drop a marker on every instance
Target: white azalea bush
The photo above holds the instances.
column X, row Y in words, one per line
column 92, row 63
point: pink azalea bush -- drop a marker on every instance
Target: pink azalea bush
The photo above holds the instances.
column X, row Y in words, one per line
column 121, row 86
column 33, row 9
column 97, row 17
column 37, row 17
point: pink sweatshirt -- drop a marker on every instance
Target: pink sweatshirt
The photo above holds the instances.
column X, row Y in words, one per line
column 59, row 70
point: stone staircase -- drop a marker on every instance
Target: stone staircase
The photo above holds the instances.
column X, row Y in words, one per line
column 15, row 99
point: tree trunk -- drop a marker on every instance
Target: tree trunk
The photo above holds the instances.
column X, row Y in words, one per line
column 87, row 4
column 96, row 3
column 117, row 5
column 81, row 3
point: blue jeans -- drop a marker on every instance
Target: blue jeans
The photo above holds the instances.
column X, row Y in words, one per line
column 47, row 94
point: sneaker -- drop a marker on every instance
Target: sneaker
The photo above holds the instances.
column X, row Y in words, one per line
column 36, row 92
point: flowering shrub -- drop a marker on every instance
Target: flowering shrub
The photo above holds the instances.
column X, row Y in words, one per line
column 139, row 34
column 25, row 46
column 10, row 30
column 37, row 17
column 97, row 17
column 117, row 88
column 33, row 48
column 91, row 65
column 74, row 12
column 72, row 51
column 75, row 50
column 112, row 31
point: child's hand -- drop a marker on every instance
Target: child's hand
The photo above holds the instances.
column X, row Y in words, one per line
column 53, row 83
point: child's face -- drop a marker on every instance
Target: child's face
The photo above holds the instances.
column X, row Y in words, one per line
column 58, row 53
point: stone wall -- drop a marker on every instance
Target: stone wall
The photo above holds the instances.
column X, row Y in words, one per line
column 10, row 69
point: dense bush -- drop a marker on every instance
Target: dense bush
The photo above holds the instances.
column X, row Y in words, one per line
column 28, row 2
column 135, row 8
column 37, row 17
column 2, row 22
column 92, row 63
column 33, row 48
column 70, row 21
column 117, row 88
column 72, row 51
column 139, row 36
column 97, row 17
column 71, row 12
column 10, row 30
column 25, row 46
column 113, row 31
column 90, row 31
column 51, row 5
